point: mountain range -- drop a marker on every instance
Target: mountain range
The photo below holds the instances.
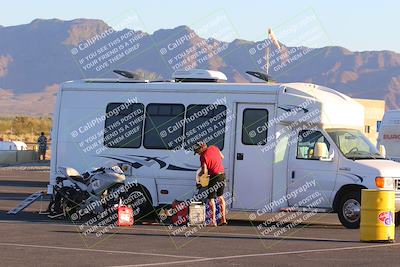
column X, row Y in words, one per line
column 36, row 57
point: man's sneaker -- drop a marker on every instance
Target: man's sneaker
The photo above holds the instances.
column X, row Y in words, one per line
column 55, row 215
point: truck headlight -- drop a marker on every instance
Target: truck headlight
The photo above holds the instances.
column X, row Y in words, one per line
column 386, row 183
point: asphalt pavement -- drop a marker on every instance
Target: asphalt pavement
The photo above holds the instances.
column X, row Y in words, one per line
column 31, row 239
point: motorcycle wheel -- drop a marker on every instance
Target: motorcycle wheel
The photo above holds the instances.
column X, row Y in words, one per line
column 70, row 206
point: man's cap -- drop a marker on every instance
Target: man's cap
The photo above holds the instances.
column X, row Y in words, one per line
column 197, row 146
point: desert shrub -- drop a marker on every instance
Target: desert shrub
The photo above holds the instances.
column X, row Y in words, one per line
column 24, row 128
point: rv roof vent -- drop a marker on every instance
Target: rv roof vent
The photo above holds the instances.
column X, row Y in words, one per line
column 260, row 76
column 129, row 76
column 198, row 75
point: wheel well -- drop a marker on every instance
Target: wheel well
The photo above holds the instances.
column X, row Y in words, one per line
column 343, row 190
column 145, row 191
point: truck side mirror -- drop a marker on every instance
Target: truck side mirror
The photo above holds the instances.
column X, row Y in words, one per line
column 329, row 158
column 382, row 150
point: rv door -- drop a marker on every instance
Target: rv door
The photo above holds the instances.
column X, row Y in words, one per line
column 252, row 178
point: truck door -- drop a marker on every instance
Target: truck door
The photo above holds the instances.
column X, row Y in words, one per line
column 252, row 179
column 307, row 174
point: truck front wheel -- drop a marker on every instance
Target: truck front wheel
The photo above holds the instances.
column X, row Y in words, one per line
column 350, row 209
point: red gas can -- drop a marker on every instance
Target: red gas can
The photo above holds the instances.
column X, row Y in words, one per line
column 125, row 216
column 180, row 210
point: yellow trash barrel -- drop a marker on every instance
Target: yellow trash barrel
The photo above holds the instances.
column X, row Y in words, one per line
column 377, row 215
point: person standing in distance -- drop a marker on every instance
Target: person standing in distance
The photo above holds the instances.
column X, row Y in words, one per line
column 42, row 142
column 211, row 164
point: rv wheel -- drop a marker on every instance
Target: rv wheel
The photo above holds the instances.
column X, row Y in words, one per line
column 350, row 210
column 140, row 201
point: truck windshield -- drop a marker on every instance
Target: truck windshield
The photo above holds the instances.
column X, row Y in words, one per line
column 353, row 144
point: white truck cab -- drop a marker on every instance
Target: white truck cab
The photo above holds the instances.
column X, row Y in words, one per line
column 358, row 165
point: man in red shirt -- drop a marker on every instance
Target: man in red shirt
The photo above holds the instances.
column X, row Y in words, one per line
column 211, row 164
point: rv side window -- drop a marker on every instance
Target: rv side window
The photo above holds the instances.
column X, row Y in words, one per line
column 306, row 143
column 164, row 126
column 123, row 125
column 205, row 123
column 254, row 126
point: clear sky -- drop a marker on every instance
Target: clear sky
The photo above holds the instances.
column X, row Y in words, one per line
column 356, row 25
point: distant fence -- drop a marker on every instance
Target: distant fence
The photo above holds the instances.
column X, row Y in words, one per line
column 18, row 156
column 35, row 147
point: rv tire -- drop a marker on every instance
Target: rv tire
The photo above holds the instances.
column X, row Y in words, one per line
column 140, row 200
column 349, row 210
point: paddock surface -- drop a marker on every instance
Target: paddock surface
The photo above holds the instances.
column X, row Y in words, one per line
column 31, row 239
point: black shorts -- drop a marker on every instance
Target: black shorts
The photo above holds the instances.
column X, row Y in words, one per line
column 216, row 186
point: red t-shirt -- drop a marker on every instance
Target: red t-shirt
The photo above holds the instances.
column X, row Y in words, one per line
column 212, row 158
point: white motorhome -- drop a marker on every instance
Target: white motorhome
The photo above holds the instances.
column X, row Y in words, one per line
column 293, row 145
column 389, row 134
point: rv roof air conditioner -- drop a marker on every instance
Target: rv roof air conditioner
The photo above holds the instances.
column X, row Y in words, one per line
column 198, row 75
